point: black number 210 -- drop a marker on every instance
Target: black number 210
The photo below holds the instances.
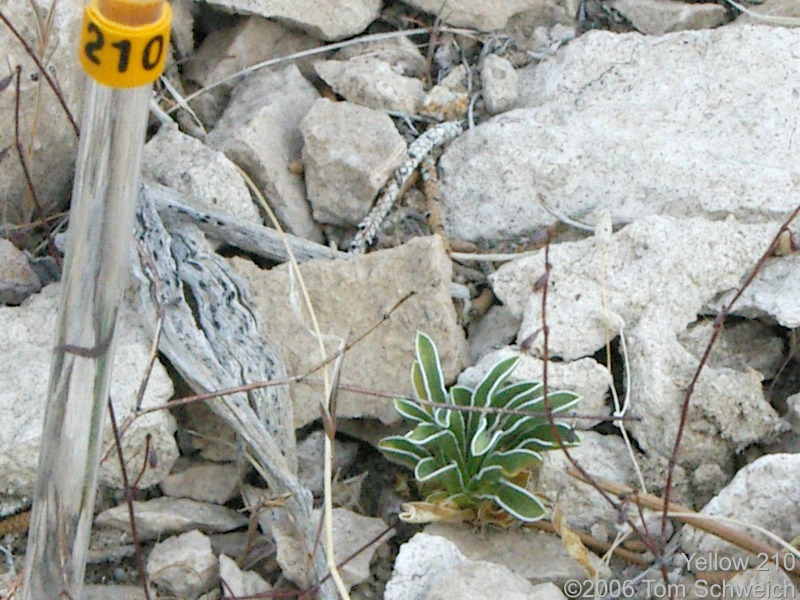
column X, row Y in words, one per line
column 151, row 55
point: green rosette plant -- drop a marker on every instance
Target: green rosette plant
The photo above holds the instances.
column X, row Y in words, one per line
column 477, row 464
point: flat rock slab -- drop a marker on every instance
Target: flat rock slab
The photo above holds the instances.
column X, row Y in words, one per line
column 351, row 532
column 598, row 131
column 351, row 297
column 349, row 151
column 537, row 556
column 323, row 20
column 164, row 516
column 259, row 132
column 478, row 14
column 183, row 565
column 763, row 493
column 651, row 280
column 26, row 345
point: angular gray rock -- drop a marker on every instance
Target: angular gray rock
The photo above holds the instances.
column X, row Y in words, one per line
column 26, row 344
column 774, row 295
column 350, row 297
column 310, row 459
column 603, row 456
column 206, row 177
column 164, row 516
column 500, row 81
column 477, row 14
column 350, row 152
column 204, row 481
column 657, row 17
column 762, row 494
column 44, row 128
column 600, row 134
column 259, row 132
column 480, row 580
column 228, row 50
column 183, row 565
column 17, row 279
column 351, row 532
column 652, row 288
column 537, row 556
column 238, row 583
column 324, row 20
column 371, row 82
column 419, row 563
column 495, row 330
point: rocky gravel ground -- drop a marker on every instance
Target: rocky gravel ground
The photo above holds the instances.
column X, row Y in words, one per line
column 420, row 155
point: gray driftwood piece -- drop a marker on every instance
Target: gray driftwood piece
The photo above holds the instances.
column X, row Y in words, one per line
column 259, row 240
column 219, row 347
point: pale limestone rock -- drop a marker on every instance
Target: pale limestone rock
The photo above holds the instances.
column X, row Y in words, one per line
column 478, row 14
column 259, row 132
column 741, row 345
column 350, row 297
column 17, row 279
column 603, row 456
column 229, row 50
column 351, row 532
column 774, row 295
column 500, row 81
column 401, row 53
column 324, row 20
column 373, row 83
column 164, row 516
column 183, row 565
column 653, row 289
column 26, row 344
column 763, row 13
column 206, row 177
column 657, row 17
column 495, row 330
column 762, row 493
column 537, row 556
column 480, row 580
column 206, row 482
column 625, row 143
column 240, row 583
column 419, row 563
column 349, row 152
column 310, row 459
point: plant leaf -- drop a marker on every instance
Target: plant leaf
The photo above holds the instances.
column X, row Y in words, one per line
column 412, row 411
column 492, row 380
column 399, row 450
column 485, row 439
column 448, row 477
column 428, row 358
column 511, row 397
column 514, row 461
column 518, row 502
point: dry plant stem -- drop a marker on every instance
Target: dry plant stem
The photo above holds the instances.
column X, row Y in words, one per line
column 546, row 401
column 128, row 499
column 51, row 246
column 327, row 396
column 53, row 85
column 595, row 544
column 718, row 323
column 690, row 517
column 184, row 342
